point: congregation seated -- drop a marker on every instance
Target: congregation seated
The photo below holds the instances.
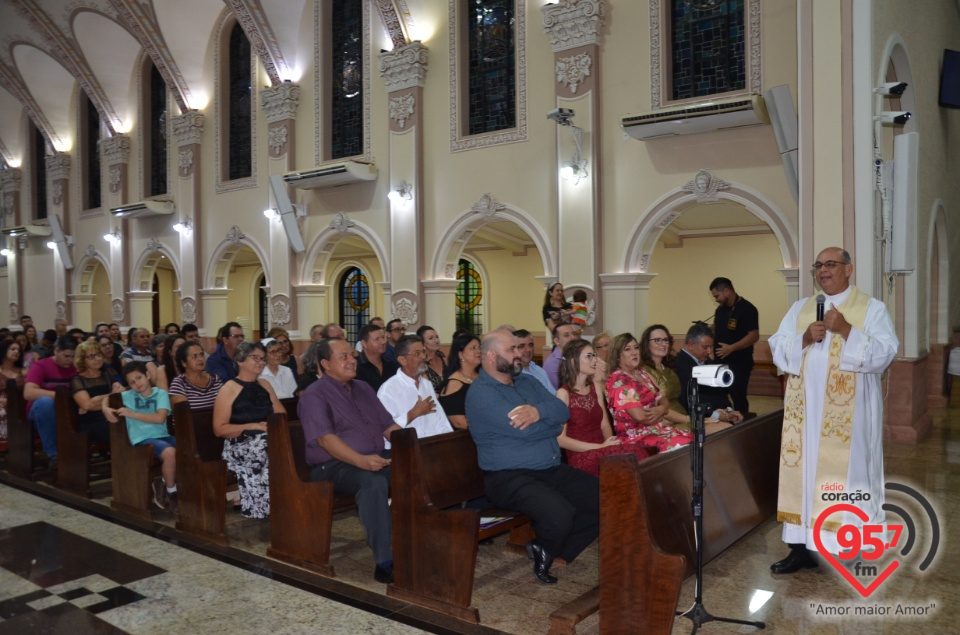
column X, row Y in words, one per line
column 172, row 329
column 587, row 436
column 409, row 396
column 220, row 363
column 157, row 344
column 562, row 334
column 311, row 369
column 91, row 388
column 42, row 350
column 697, row 347
column 526, row 346
column 462, row 369
column 287, row 358
column 39, row 391
column 11, row 367
column 240, row 417
column 167, row 369
column 139, row 347
column 372, row 366
column 194, row 384
column 434, row 357
column 656, row 351
column 280, row 377
column 111, row 360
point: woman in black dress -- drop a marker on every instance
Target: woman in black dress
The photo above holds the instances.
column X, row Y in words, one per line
column 90, row 388
column 462, row 369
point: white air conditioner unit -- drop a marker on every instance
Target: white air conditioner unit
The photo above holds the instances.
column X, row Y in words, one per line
column 27, row 230
column 707, row 116
column 143, row 209
column 332, row 175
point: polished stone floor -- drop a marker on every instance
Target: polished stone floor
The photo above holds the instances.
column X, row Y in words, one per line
column 72, row 566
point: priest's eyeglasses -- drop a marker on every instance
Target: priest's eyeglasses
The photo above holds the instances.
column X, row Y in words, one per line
column 830, row 264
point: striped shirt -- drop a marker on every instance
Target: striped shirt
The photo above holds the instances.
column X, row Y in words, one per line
column 198, row 398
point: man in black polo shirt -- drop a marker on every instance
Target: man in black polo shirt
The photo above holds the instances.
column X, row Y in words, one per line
column 373, row 367
column 736, row 327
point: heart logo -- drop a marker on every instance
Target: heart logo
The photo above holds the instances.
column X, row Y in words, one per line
column 864, row 591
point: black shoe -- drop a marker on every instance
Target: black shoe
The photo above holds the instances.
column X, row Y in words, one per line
column 159, row 492
column 799, row 558
column 541, row 562
column 384, row 575
column 486, row 542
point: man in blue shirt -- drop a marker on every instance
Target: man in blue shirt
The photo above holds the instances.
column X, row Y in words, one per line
column 221, row 362
column 525, row 347
column 515, row 422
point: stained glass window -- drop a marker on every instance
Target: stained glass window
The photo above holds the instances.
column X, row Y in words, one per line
column 39, row 174
column 708, row 47
column 346, row 90
column 157, row 142
column 491, row 66
column 263, row 306
column 469, row 298
column 239, row 133
column 91, row 156
column 354, row 302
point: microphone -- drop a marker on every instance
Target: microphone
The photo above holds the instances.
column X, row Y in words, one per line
column 820, row 301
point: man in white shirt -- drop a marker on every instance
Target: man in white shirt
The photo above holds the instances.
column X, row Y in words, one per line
column 408, row 397
column 525, row 346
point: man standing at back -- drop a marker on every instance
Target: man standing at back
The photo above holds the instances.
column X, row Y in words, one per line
column 833, row 407
column 221, row 362
column 736, row 328
column 515, row 422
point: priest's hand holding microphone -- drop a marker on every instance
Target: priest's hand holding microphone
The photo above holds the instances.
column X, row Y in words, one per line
column 832, row 321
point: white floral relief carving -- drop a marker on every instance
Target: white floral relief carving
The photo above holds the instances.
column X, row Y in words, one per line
column 280, row 313
column 186, row 160
column 573, row 70
column 188, row 311
column 644, row 262
column 317, row 277
column 277, row 138
column 234, row 235
column 405, row 67
column 14, row 312
column 450, row 272
column 341, row 224
column 57, row 192
column 401, row 108
column 704, row 186
column 405, row 310
column 573, row 23
column 117, row 312
column 219, row 282
column 61, row 311
column 487, row 206
column 115, row 176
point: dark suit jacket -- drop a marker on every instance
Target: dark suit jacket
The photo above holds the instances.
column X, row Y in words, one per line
column 713, row 398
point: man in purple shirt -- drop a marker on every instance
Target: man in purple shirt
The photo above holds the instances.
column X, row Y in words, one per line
column 563, row 334
column 39, row 391
column 345, row 426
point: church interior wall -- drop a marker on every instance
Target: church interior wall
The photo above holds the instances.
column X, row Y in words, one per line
column 512, row 294
column 100, row 309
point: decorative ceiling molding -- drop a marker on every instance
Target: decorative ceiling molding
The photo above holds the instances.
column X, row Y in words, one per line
column 67, row 51
column 404, row 67
column 396, row 21
column 13, row 83
column 254, row 23
column 145, row 29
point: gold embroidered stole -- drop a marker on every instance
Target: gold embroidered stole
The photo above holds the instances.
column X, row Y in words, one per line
column 836, row 424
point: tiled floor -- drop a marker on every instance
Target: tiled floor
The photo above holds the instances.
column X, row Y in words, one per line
column 171, row 586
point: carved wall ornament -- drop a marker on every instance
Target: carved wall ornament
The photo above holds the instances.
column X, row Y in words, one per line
column 401, row 108
column 405, row 67
column 572, row 70
column 188, row 128
column 58, row 167
column 450, row 272
column 277, row 138
column 487, row 206
column 61, row 311
column 573, row 23
column 57, row 192
column 115, row 176
column 405, row 310
column 8, row 206
column 644, row 262
column 188, row 311
column 154, row 245
column 705, row 187
column 341, row 224
column 280, row 311
column 317, row 277
column 10, row 180
column 234, row 235
column 91, row 251
column 116, row 149
column 14, row 312
column 117, row 313
column 219, row 282
column 280, row 102
column 393, row 23
column 186, row 161
column 668, row 219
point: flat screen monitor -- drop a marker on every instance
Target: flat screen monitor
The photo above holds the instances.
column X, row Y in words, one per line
column 950, row 79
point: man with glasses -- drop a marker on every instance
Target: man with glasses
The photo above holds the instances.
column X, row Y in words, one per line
column 697, row 346
column 39, row 391
column 395, row 330
column 833, row 407
column 736, row 328
column 409, row 397
column 221, row 362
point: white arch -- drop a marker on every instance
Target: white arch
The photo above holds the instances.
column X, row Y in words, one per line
column 147, row 263
column 458, row 233
column 223, row 255
column 938, row 232
column 322, row 247
column 84, row 277
column 653, row 222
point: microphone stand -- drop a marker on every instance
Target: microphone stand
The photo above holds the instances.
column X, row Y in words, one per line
column 697, row 613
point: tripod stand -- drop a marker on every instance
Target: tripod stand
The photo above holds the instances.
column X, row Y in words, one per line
column 697, row 613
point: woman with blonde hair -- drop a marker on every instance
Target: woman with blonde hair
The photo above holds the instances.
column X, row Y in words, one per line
column 91, row 387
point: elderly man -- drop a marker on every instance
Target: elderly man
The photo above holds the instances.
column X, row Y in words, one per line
column 373, row 366
column 139, row 350
column 515, row 422
column 39, row 391
column 525, row 346
column 830, row 438
column 345, row 426
column 695, row 352
column 736, row 325
column 221, row 362
column 409, row 397
column 563, row 334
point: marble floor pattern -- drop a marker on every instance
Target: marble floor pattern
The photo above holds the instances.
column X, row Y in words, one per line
column 237, row 589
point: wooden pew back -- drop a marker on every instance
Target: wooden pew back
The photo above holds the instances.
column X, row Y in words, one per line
column 19, row 432
column 133, row 468
column 201, row 474
column 448, row 469
column 73, row 446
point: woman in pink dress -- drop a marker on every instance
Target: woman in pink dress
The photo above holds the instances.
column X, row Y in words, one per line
column 641, row 414
column 587, row 437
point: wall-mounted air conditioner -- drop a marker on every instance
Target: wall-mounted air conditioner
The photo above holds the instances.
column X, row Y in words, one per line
column 707, row 116
column 143, row 209
column 27, row 230
column 332, row 175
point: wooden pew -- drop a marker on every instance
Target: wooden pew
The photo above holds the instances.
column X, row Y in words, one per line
column 133, row 468
column 434, row 545
column 646, row 525
column 301, row 511
column 201, row 474
column 73, row 447
column 20, row 435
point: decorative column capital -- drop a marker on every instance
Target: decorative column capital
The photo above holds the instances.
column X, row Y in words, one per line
column 573, row 23
column 116, row 149
column 58, row 166
column 280, row 102
column 188, row 128
column 10, row 180
column 405, row 67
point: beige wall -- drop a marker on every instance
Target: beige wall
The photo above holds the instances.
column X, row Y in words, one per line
column 100, row 311
column 512, row 295
column 240, row 304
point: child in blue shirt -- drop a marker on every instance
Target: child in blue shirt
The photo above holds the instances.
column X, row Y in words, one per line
column 145, row 409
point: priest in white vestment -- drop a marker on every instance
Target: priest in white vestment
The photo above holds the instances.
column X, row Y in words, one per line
column 833, row 409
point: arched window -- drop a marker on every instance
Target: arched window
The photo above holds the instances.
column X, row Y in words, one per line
column 90, row 143
column 155, row 133
column 708, row 47
column 239, row 139
column 491, row 66
column 38, row 151
column 263, row 306
column 354, row 302
column 346, row 81
column 469, row 298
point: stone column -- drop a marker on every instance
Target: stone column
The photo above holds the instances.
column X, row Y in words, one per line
column 58, row 177
column 10, row 181
column 280, row 104
column 81, row 305
column 791, row 277
column 574, row 28
column 404, row 70
column 116, row 152
column 214, row 310
column 630, row 293
column 141, row 308
column 188, row 133
column 439, row 296
column 313, row 302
